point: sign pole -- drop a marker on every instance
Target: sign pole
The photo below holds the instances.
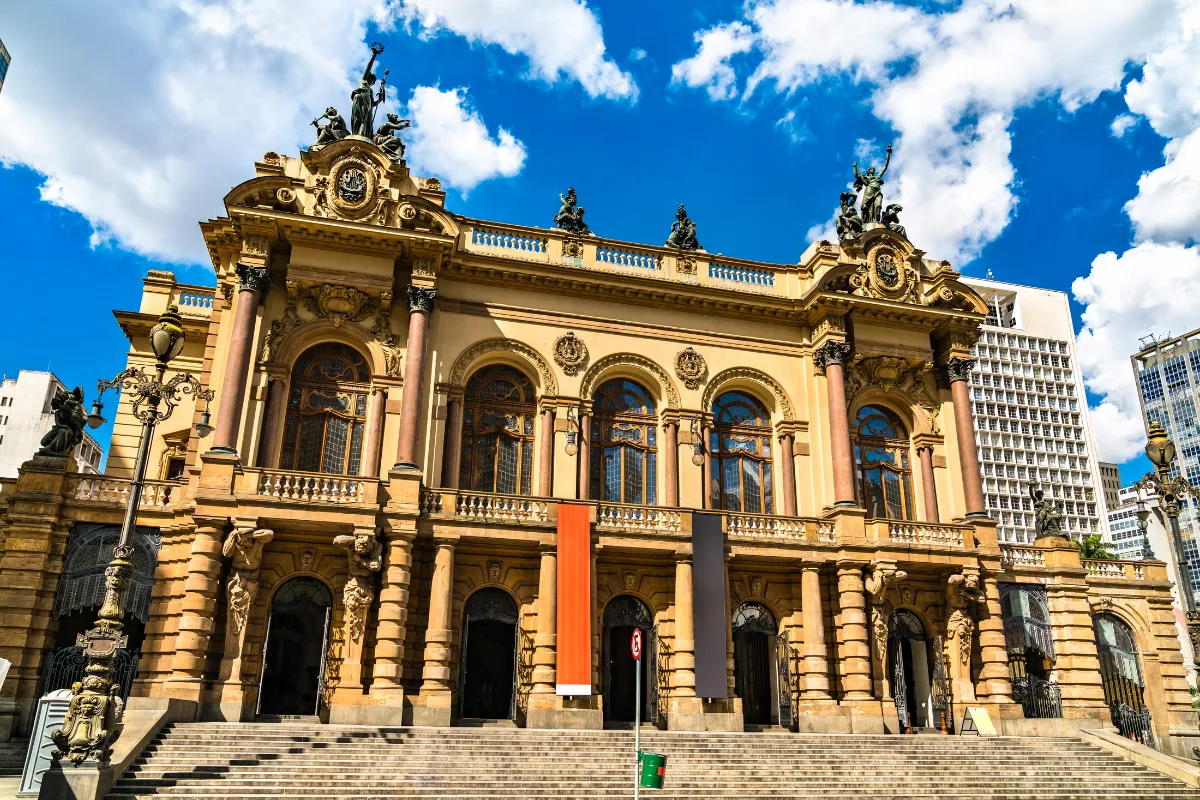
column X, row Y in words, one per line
column 635, row 645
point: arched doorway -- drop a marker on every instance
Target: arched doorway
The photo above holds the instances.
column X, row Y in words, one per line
column 917, row 672
column 293, row 673
column 1121, row 675
column 488, row 665
column 754, row 631
column 622, row 615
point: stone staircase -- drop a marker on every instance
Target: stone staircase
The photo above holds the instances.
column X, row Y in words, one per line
column 12, row 757
column 220, row 760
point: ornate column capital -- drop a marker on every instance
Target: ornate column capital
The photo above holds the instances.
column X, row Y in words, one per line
column 421, row 299
column 832, row 352
column 253, row 279
column 957, row 369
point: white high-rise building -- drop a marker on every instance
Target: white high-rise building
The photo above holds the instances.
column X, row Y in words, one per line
column 26, row 416
column 1031, row 420
column 1168, row 381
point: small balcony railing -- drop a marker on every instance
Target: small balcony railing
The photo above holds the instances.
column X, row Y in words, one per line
column 486, row 506
column 924, row 533
column 309, row 487
column 115, row 491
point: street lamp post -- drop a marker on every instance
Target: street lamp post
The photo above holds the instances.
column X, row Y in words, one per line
column 1172, row 493
column 93, row 716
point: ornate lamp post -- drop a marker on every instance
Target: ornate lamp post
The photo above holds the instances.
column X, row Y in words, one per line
column 93, row 716
column 1172, row 493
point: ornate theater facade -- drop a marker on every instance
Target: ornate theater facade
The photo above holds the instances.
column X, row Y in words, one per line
column 457, row 462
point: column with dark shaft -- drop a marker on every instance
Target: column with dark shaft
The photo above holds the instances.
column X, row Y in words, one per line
column 787, row 474
column 253, row 285
column 928, row 482
column 453, row 443
column 545, row 485
column 585, row 457
column 831, row 357
column 420, row 307
column 271, row 422
column 376, row 407
column 671, row 464
column 706, row 501
column 957, row 371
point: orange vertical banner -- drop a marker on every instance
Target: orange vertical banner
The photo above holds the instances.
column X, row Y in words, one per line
column 574, row 644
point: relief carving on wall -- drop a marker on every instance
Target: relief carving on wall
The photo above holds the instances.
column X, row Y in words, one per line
column 365, row 557
column 244, row 548
column 339, row 303
column 903, row 376
column 690, row 367
column 879, row 576
column 570, row 353
column 962, row 595
column 351, row 190
column 887, row 275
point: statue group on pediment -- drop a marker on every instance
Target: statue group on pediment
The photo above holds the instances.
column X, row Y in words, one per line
column 570, row 215
column 868, row 194
column 364, row 101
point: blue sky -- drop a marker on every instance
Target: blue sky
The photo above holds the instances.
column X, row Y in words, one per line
column 1022, row 131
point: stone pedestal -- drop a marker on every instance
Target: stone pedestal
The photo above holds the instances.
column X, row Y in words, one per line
column 65, row 781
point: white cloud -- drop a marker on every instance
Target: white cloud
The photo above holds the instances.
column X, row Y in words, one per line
column 451, row 140
column 793, row 129
column 1123, row 124
column 710, row 67
column 561, row 38
column 948, row 82
column 142, row 114
column 1150, row 288
column 1167, row 206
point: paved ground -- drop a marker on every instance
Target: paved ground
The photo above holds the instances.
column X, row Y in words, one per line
column 8, row 788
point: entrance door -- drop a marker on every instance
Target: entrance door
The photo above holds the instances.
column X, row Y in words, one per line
column 295, row 654
column 1121, row 676
column 487, row 673
column 909, row 665
column 753, row 642
column 622, row 616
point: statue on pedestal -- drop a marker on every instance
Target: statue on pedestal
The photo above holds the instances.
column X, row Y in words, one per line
column 332, row 132
column 683, row 232
column 570, row 214
column 386, row 137
column 60, row 441
column 871, row 186
column 1048, row 517
column 364, row 100
column 849, row 223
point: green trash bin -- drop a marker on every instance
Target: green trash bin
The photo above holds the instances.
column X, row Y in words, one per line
column 654, row 769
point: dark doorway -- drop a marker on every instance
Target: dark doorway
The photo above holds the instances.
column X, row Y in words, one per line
column 297, row 636
column 489, row 654
column 622, row 616
column 753, row 640
column 912, row 668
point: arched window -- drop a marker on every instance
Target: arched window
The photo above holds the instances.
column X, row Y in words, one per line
column 326, row 411
column 881, row 450
column 624, row 449
column 741, row 455
column 497, row 440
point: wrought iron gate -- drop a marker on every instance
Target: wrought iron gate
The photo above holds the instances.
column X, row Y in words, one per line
column 783, row 661
column 64, row 666
column 899, row 681
column 1040, row 698
column 1125, row 701
column 651, row 658
column 942, row 688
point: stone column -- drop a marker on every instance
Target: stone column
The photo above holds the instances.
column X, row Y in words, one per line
column 244, row 548
column 452, row 445
column 585, row 457
column 376, row 407
column 706, row 479
column 928, row 482
column 387, row 674
column 254, row 283
column 545, row 641
column 993, row 651
column 831, row 357
column 683, row 655
column 545, row 484
column 816, row 668
column 787, row 474
column 957, row 372
column 881, row 574
column 197, row 612
column 364, row 558
column 272, row 422
column 435, row 676
column 671, row 464
column 853, row 652
column 420, row 306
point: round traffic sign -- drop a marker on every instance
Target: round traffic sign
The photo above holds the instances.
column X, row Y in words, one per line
column 635, row 644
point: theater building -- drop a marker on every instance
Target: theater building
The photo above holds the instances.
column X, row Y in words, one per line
column 457, row 462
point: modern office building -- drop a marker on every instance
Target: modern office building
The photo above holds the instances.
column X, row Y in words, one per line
column 1110, row 484
column 5, row 60
column 26, row 415
column 1167, row 378
column 1031, row 417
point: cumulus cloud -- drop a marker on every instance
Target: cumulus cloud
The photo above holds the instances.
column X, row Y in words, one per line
column 710, row 67
column 948, row 81
column 561, row 38
column 1122, row 304
column 1123, row 124
column 451, row 140
column 141, row 115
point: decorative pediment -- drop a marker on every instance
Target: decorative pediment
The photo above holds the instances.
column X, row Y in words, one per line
column 353, row 186
column 274, row 192
column 893, row 375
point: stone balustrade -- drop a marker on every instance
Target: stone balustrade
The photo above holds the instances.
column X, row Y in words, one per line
column 620, row 256
column 1016, row 556
column 193, row 301
column 924, row 533
column 501, row 508
column 308, row 487
column 826, row 532
column 757, row 526
column 155, row 494
column 527, row 245
column 643, row 519
column 1100, row 568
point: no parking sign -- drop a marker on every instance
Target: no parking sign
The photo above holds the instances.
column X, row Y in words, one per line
column 635, row 644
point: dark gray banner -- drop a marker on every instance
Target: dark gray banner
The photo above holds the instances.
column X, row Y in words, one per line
column 708, row 602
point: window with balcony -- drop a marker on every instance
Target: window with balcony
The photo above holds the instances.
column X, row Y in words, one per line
column 624, row 443
column 881, row 453
column 326, row 411
column 741, row 455
column 499, row 407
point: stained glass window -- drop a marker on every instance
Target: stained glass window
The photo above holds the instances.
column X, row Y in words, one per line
column 881, row 453
column 497, row 440
column 624, row 444
column 326, row 411
column 741, row 455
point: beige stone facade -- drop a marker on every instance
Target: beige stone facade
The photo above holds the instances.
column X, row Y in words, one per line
column 378, row 512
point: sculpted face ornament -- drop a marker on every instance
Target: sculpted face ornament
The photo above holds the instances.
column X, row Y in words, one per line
column 352, row 185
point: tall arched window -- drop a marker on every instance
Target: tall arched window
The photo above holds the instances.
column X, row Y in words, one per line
column 326, row 411
column 497, row 440
column 741, row 455
column 881, row 452
column 624, row 443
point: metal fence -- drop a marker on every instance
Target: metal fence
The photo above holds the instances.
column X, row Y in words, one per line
column 64, row 666
column 1040, row 698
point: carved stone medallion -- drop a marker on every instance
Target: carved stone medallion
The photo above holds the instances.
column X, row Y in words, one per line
column 885, row 277
column 351, row 190
column 629, row 580
column 570, row 353
column 352, row 185
column 690, row 367
column 756, row 587
column 339, row 303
